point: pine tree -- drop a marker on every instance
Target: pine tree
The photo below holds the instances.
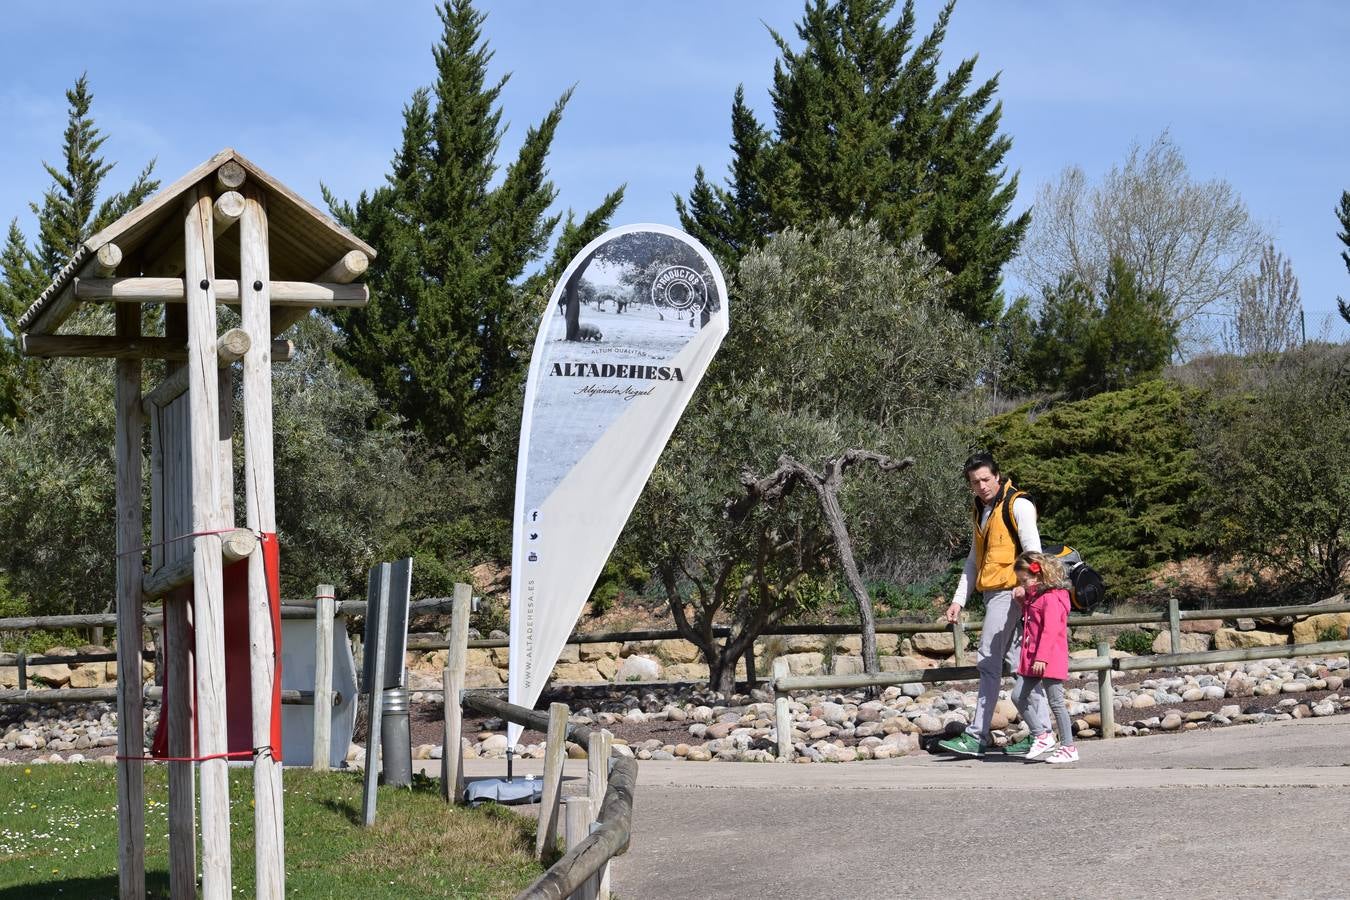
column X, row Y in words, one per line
column 69, row 213
column 865, row 128
column 1343, row 215
column 445, row 337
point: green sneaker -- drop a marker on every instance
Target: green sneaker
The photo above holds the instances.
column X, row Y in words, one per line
column 963, row 745
column 1019, row 748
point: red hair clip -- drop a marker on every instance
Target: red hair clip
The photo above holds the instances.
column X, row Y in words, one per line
column 1034, row 567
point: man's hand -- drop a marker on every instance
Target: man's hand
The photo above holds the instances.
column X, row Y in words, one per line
column 1019, row 592
column 954, row 613
column 1038, row 668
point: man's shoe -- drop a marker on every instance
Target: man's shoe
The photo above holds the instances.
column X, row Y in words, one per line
column 1043, row 744
column 1019, row 748
column 963, row 745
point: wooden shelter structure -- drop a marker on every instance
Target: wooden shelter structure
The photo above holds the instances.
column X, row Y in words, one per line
column 176, row 251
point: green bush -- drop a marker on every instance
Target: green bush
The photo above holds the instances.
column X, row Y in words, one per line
column 1136, row 642
column 1332, row 633
column 1113, row 476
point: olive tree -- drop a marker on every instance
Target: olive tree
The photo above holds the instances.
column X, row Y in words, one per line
column 839, row 341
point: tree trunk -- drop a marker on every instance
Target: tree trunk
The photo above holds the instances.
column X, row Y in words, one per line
column 834, row 515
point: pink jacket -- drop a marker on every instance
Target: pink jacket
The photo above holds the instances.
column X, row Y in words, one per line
column 1045, row 633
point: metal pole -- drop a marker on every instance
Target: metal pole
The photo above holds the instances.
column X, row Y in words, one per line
column 1106, row 694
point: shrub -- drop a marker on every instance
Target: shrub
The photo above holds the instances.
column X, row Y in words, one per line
column 1136, row 642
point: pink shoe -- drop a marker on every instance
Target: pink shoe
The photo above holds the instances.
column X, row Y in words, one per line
column 1067, row 753
column 1043, row 744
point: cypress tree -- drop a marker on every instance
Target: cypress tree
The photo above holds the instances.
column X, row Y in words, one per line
column 1343, row 216
column 446, row 335
column 865, row 128
column 69, row 213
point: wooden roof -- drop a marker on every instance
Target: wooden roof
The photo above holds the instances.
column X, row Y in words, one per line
column 303, row 242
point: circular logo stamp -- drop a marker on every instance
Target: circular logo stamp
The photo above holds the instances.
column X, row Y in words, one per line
column 679, row 287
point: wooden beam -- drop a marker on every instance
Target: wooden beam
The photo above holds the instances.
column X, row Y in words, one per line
column 170, row 290
column 109, row 257
column 350, row 267
column 130, row 718
column 230, row 176
column 234, row 546
column 260, row 498
column 207, row 584
column 176, row 384
column 227, row 209
column 104, row 347
column 324, row 601
column 231, row 346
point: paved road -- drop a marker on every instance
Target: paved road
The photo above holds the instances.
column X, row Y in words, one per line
column 1245, row 811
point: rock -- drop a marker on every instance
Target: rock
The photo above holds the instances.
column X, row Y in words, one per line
column 1200, row 626
column 1143, row 701
column 934, row 643
column 575, row 752
column 928, row 724
column 1334, row 682
column 719, row 731
column 907, row 663
column 805, row 663
column 483, row 677
column 676, row 650
column 1244, row 624
column 1324, row 708
column 912, row 690
column 52, row 674
column 87, row 677
column 1007, row 709
column 698, row 754
column 806, row 643
column 1239, row 686
column 1171, row 722
column 639, row 668
column 496, row 742
column 687, row 672
column 423, row 751
column 1190, row 695
column 1294, row 687
column 1310, row 629
column 848, row 665
column 1230, row 711
column 1190, row 642
column 597, row 652
column 1232, row 639
column 833, row 713
column 681, row 750
column 1213, row 691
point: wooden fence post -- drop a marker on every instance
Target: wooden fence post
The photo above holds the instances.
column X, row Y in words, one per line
column 324, row 602
column 1174, row 623
column 1106, row 694
column 958, row 643
column 555, row 751
column 577, row 829
column 597, row 771
column 452, row 683
column 782, row 717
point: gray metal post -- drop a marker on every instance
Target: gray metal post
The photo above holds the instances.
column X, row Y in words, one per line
column 377, row 599
column 396, row 739
column 1174, row 623
column 1106, row 694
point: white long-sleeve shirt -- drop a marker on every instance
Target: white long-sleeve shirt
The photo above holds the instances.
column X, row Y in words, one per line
column 1024, row 514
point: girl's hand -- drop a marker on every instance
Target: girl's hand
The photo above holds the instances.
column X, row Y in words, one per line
column 1038, row 668
column 1019, row 592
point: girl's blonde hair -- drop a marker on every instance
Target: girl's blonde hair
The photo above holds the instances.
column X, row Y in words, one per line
column 1048, row 570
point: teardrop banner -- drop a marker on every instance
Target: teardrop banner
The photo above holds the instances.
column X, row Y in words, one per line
column 627, row 335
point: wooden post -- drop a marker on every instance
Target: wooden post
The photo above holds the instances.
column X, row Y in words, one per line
column 208, row 592
column 1106, row 694
column 376, row 605
column 324, row 602
column 958, row 643
column 130, row 719
column 260, row 499
column 597, row 773
column 782, row 717
column 555, row 751
column 577, row 828
column 452, row 682
column 1174, row 623
column 109, row 258
column 169, row 478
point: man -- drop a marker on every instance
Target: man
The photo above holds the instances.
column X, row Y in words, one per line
column 1005, row 525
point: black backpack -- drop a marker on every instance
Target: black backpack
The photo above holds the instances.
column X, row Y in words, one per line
column 1086, row 587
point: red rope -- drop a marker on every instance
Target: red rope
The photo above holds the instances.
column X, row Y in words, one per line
column 163, row 759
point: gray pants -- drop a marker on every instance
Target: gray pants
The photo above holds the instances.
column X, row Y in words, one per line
column 1051, row 690
column 1000, row 643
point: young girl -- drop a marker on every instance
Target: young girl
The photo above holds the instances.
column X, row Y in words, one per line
column 1045, row 652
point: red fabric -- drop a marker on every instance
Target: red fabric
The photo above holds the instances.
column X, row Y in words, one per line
column 238, row 684
column 1045, row 633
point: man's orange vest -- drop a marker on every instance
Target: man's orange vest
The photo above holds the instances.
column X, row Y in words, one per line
column 995, row 544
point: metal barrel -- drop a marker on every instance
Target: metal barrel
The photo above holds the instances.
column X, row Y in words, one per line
column 396, row 739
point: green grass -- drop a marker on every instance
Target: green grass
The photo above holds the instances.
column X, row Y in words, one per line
column 58, row 837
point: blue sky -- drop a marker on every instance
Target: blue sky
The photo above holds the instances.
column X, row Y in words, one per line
column 313, row 90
